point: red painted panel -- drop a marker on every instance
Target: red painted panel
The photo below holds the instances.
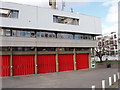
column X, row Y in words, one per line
column 4, row 65
column 23, row 65
column 46, row 63
column 82, row 61
column 66, row 62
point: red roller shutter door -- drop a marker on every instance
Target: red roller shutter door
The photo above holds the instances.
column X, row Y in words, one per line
column 66, row 62
column 4, row 65
column 23, row 65
column 82, row 61
column 46, row 63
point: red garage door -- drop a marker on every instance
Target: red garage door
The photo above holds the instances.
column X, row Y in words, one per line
column 23, row 65
column 4, row 66
column 82, row 61
column 46, row 63
column 66, row 62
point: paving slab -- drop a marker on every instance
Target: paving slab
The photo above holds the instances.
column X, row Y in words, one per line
column 71, row 79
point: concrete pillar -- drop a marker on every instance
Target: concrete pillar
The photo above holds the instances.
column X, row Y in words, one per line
column 74, row 58
column 11, row 62
column 36, row 66
column 89, row 58
column 57, row 64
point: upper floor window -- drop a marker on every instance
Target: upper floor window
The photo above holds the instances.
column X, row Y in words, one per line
column 65, row 20
column 25, row 33
column 46, row 34
column 7, row 32
column 64, row 35
column 9, row 13
column 77, row 36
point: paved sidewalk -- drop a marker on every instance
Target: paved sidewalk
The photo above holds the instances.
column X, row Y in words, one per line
column 71, row 79
column 116, row 85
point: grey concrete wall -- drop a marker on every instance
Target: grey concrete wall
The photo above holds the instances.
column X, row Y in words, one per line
column 46, row 42
column 104, row 65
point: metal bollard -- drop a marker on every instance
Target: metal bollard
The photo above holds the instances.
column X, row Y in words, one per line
column 93, row 87
column 114, row 78
column 118, row 75
column 103, row 84
column 110, row 81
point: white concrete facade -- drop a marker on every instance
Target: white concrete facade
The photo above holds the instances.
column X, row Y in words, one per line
column 33, row 17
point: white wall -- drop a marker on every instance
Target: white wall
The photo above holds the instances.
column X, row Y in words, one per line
column 42, row 18
column 27, row 16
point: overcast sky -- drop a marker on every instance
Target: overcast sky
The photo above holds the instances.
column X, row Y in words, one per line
column 107, row 10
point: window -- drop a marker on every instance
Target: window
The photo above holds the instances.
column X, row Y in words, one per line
column 52, row 35
column 82, row 37
column 36, row 33
column 46, row 34
column 14, row 33
column 4, row 48
column 23, row 49
column 78, row 49
column 60, row 49
column 20, row 33
column 1, row 32
column 115, row 46
column 69, row 49
column 7, row 32
column 54, row 19
column 27, row 33
column 18, row 49
column 77, row 36
column 46, row 49
column 4, row 12
column 9, row 13
column 14, row 14
column 65, row 36
column 65, row 20
column 30, row 33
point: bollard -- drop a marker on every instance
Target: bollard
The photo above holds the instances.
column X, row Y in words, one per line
column 118, row 75
column 93, row 87
column 110, row 81
column 114, row 77
column 103, row 84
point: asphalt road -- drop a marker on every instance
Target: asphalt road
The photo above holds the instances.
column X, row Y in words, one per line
column 71, row 79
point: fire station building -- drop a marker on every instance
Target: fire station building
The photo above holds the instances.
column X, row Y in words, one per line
column 37, row 40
